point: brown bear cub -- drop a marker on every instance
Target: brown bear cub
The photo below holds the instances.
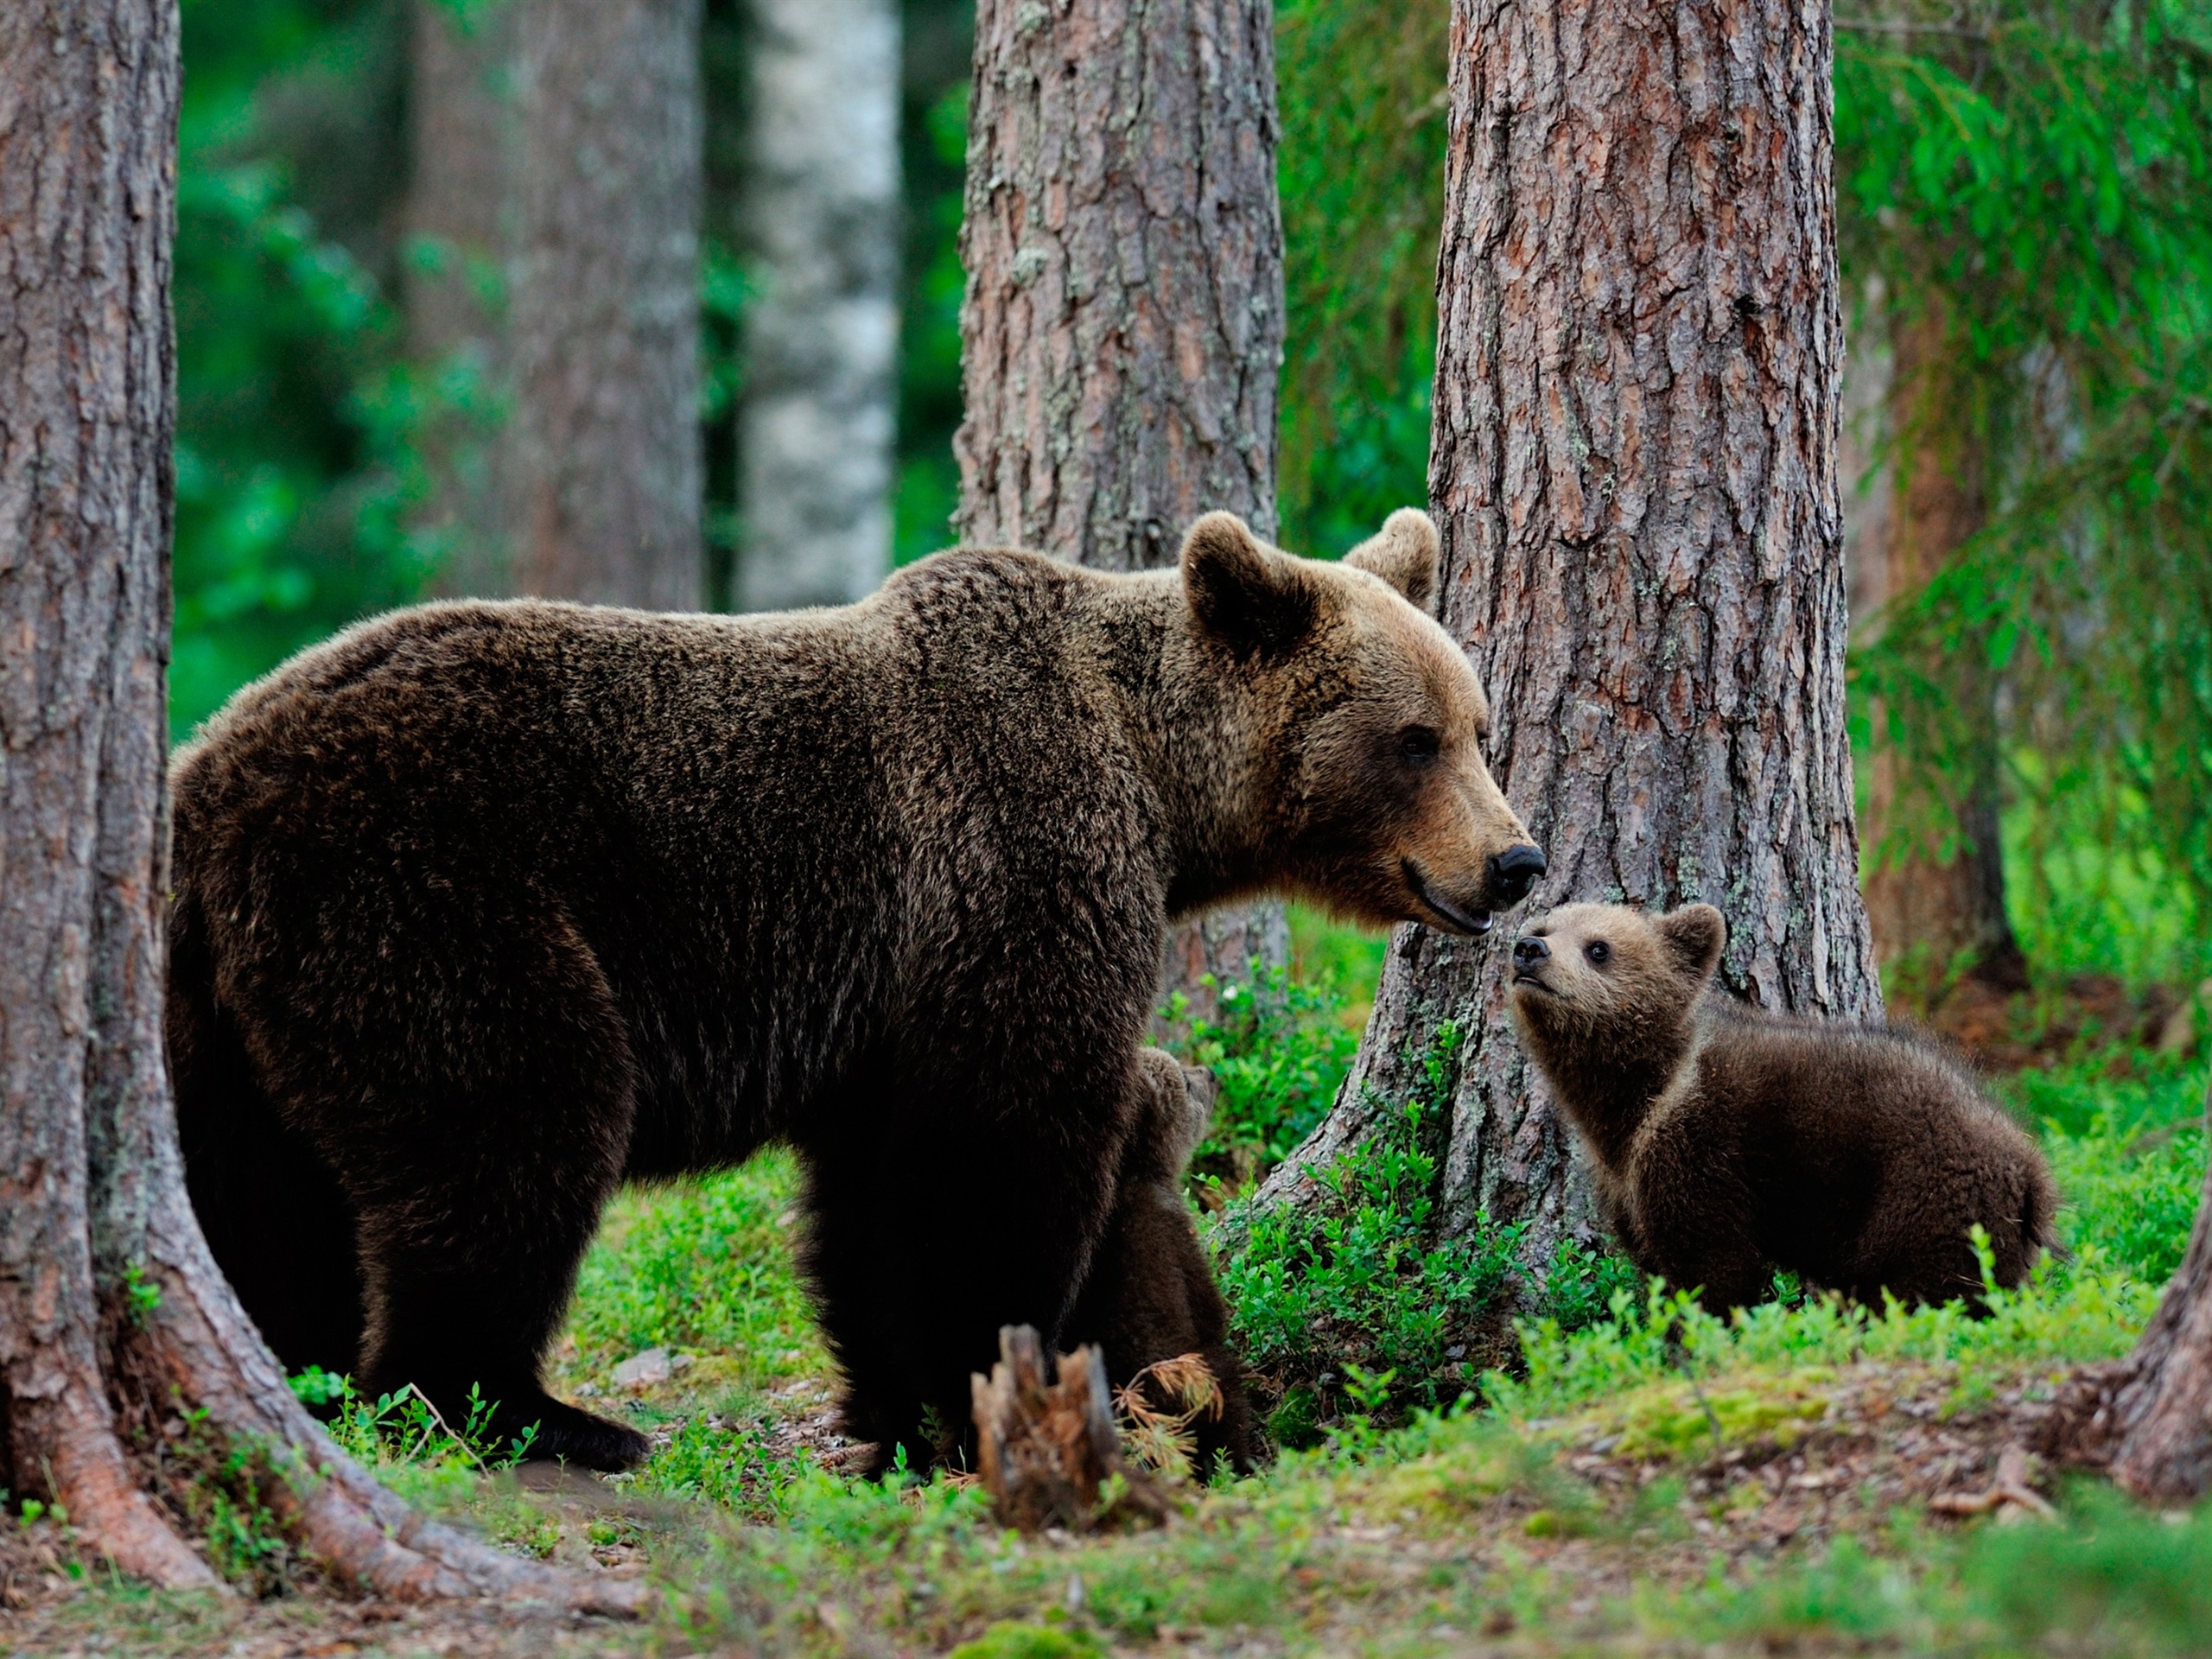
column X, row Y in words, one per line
column 1729, row 1142
column 1150, row 1294
column 483, row 909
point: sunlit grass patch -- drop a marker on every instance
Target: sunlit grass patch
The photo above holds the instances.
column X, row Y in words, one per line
column 2067, row 1313
column 701, row 1267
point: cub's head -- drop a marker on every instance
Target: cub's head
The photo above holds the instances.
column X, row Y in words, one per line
column 1592, row 968
column 1368, row 726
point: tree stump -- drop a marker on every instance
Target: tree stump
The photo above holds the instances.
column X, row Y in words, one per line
column 1048, row 1452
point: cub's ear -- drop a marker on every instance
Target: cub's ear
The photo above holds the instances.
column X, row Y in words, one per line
column 1695, row 934
column 1255, row 601
column 1404, row 554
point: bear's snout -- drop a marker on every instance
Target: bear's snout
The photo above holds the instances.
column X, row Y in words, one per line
column 1529, row 954
column 1512, row 873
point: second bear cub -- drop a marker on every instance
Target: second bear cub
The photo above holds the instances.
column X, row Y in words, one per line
column 1728, row 1142
column 1150, row 1293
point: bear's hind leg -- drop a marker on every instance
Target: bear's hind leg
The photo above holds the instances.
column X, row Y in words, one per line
column 463, row 1297
column 924, row 1242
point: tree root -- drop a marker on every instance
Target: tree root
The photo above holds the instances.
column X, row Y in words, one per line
column 196, row 1348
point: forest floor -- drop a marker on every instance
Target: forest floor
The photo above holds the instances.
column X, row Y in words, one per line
column 1804, row 1480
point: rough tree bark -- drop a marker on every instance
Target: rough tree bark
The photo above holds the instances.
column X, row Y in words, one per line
column 92, row 1190
column 822, row 332
column 1633, row 465
column 1926, row 908
column 1121, row 333
column 464, row 141
column 603, row 472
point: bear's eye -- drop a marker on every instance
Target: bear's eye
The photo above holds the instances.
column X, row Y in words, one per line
column 1598, row 951
column 1418, row 744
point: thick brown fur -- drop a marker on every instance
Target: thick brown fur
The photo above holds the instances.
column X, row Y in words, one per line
column 1150, row 1293
column 1727, row 1143
column 482, row 909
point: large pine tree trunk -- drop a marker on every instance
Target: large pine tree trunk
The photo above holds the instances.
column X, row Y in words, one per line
column 1634, row 468
column 107, row 1292
column 1933, row 905
column 464, row 136
column 602, row 476
column 822, row 330
column 1121, row 333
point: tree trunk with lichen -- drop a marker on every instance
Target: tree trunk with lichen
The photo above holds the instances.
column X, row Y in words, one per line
column 113, row 1316
column 1633, row 467
column 464, row 133
column 602, row 466
column 1937, row 898
column 1121, row 332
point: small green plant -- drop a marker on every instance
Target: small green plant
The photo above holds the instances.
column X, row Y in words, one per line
column 140, row 1297
column 1358, row 1281
column 1280, row 1051
column 225, row 1488
column 403, row 1428
column 1007, row 1640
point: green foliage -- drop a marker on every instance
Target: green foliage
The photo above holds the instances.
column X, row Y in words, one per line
column 929, row 358
column 227, row 1491
column 739, row 1466
column 403, row 1429
column 1354, row 1281
column 2046, row 172
column 2129, row 1155
column 1361, row 171
column 2115, row 1578
column 1279, row 1054
column 299, row 430
column 1007, row 1640
column 701, row 1266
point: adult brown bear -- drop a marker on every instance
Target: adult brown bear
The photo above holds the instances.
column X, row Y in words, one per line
column 481, row 909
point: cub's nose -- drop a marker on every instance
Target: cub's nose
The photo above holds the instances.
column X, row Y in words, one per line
column 1526, row 953
column 1513, row 872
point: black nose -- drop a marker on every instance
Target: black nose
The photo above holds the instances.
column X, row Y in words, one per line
column 1526, row 953
column 1512, row 873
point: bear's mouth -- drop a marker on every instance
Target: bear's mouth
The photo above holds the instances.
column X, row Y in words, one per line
column 1475, row 922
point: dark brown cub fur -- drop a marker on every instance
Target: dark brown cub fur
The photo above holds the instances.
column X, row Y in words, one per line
column 1728, row 1142
column 482, row 909
column 1151, row 1295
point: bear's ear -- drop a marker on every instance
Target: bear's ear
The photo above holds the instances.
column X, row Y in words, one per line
column 1252, row 598
column 1404, row 554
column 1695, row 934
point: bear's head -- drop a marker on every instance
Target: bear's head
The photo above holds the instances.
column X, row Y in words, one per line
column 1614, row 979
column 1366, row 726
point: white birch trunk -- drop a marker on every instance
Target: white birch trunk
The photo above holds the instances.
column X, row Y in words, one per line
column 821, row 334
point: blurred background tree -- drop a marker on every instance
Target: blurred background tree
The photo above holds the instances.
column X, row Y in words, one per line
column 2025, row 200
column 2025, row 219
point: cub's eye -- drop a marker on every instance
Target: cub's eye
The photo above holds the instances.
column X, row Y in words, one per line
column 1598, row 951
column 1418, row 744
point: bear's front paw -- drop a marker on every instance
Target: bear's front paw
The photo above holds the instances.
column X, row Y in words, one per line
column 566, row 1434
